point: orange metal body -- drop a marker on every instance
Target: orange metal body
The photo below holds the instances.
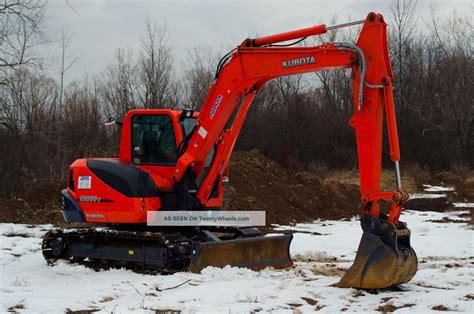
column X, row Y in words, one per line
column 114, row 206
column 251, row 65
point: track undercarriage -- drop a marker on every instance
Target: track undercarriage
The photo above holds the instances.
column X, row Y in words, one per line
column 167, row 250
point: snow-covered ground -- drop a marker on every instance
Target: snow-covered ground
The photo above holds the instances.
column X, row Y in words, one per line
column 425, row 196
column 321, row 250
column 431, row 188
column 471, row 205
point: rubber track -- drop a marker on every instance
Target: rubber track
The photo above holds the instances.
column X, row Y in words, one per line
column 177, row 244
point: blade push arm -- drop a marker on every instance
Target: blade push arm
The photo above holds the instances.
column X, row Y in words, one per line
column 253, row 64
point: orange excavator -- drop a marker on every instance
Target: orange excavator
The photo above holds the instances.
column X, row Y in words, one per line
column 177, row 160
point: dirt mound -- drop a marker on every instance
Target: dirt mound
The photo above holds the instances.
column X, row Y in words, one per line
column 439, row 204
column 258, row 183
column 462, row 181
column 39, row 204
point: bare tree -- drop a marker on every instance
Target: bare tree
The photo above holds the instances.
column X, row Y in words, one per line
column 198, row 75
column 403, row 17
column 29, row 102
column 155, row 66
column 120, row 87
column 454, row 83
column 336, row 84
column 82, row 118
column 66, row 63
column 20, row 33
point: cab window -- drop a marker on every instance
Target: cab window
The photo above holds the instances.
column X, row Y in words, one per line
column 153, row 140
column 187, row 124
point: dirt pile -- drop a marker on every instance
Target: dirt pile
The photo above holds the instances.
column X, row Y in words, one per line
column 439, row 204
column 462, row 182
column 40, row 204
column 258, row 183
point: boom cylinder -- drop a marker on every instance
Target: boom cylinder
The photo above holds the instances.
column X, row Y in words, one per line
column 299, row 33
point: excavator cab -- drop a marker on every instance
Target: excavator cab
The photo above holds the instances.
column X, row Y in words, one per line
column 122, row 191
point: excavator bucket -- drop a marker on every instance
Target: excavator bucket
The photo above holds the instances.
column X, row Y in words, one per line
column 255, row 253
column 384, row 257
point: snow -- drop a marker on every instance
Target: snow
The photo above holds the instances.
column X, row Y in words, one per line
column 433, row 188
column 426, row 195
column 468, row 205
column 321, row 250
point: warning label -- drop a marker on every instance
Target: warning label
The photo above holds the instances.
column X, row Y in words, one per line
column 84, row 182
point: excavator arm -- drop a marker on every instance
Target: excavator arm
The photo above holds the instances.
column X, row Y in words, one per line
column 385, row 256
column 254, row 63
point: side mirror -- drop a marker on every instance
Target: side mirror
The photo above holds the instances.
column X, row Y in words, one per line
column 187, row 113
column 112, row 121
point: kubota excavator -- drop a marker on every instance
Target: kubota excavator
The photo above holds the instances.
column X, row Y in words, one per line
column 176, row 160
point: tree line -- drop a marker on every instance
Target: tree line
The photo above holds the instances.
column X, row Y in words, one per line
column 299, row 121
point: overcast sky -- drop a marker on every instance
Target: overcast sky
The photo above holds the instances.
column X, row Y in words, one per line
column 100, row 27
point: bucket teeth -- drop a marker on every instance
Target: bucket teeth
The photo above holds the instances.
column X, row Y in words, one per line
column 384, row 257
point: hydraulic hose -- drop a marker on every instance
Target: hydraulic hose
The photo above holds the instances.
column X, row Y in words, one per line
column 362, row 66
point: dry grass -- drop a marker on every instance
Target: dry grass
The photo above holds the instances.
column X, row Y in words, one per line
column 69, row 311
column 13, row 309
column 387, row 180
column 463, row 181
column 310, row 301
column 389, row 308
column 329, row 271
column 106, row 299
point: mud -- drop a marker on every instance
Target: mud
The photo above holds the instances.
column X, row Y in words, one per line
column 40, row 204
column 439, row 204
column 258, row 183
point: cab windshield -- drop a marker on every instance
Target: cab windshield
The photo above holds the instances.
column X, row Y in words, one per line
column 153, row 140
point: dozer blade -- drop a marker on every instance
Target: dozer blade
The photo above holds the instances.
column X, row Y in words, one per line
column 254, row 253
column 384, row 257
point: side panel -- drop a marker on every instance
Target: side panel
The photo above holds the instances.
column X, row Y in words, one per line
column 102, row 203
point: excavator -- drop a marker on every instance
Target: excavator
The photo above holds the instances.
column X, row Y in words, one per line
column 177, row 160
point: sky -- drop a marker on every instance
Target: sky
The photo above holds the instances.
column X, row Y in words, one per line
column 99, row 27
